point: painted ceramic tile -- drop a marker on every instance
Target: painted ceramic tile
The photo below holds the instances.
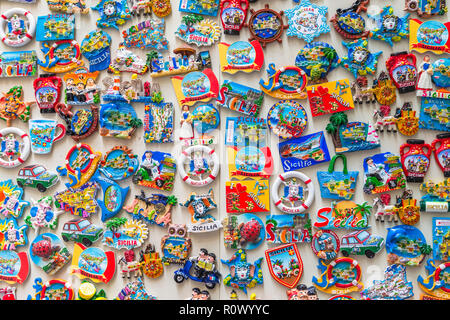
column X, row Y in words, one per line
column 247, row 196
column 55, row 27
column 344, row 215
column 288, row 228
column 158, row 122
column 430, row 35
column 330, row 97
column 18, row 64
column 146, row 35
column 240, row 98
column 241, row 56
column 93, row 263
column 305, row 151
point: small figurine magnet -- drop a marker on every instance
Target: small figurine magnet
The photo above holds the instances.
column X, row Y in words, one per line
column 17, row 27
column 285, row 264
column 11, row 203
column 42, row 215
column 12, row 235
column 325, row 244
column 81, row 88
column 241, row 56
column 302, row 292
column 389, row 27
column 199, row 206
column 68, row 6
column 128, row 61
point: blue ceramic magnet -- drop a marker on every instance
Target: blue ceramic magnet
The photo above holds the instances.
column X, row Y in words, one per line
column 96, row 48
column 205, row 118
column 307, row 21
column 441, row 72
column 389, row 27
column 118, row 119
column 119, row 163
column 317, row 59
column 53, row 27
column 360, row 61
column 112, row 13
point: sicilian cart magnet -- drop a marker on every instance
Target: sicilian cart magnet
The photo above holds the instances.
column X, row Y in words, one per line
column 49, row 253
column 344, row 214
column 241, row 56
column 317, row 59
column 436, row 282
column 15, row 147
column 243, row 274
column 287, row 119
column 244, row 231
column 429, row 36
column 96, row 48
column 93, row 263
column 341, row 276
column 18, row 64
column 304, row 151
column 285, row 264
column 302, row 292
column 196, row 86
column 389, row 27
column 406, row 245
column 204, row 7
column 307, row 21
column 266, row 25
column 17, row 27
column 330, row 97
column 349, row 23
column 360, row 61
column 14, row 266
column 382, row 173
column 233, row 14
column 285, row 83
column 425, row 8
column 288, row 228
column 54, row 27
column 338, row 185
column 247, row 196
column 157, row 170
column 195, row 29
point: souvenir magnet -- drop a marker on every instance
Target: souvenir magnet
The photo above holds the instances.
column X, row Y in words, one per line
column 441, row 72
column 362, row 91
column 134, row 90
column 18, row 64
column 151, row 263
column 13, row 107
column 112, row 13
column 266, row 25
column 343, row 297
column 436, row 283
column 384, row 90
column 96, row 48
column 402, row 70
column 183, row 60
column 307, row 21
column 361, row 243
column 425, row 8
column 317, row 59
column 154, row 209
column 23, row 1
column 437, row 198
column 415, row 157
column 203, row 268
column 389, row 27
column 285, row 83
column 360, row 61
column 157, row 170
column 81, row 123
column 11, row 235
column 330, row 97
column 55, row 289
column 241, row 56
column 233, row 14
column 47, row 91
column 344, row 214
column 245, row 231
column 338, row 185
column 81, row 230
column 441, row 241
column 42, row 215
column 203, row 165
column 78, row 201
column 406, row 245
column 198, row 294
column 341, row 276
column 240, row 98
column 407, row 121
column 287, row 119
column 135, row 290
column 176, row 246
column 195, row 29
column 158, row 121
column 118, row 120
column 81, row 88
column 119, row 163
column 54, row 27
column 243, row 275
column 247, row 196
column 14, row 267
column 7, row 293
column 349, row 23
column 407, row 209
column 17, row 27
column 196, row 86
column 124, row 234
column 49, row 253
column 148, row 34
column 199, row 207
column 425, row 76
column 88, row 291
column 430, row 35
column 325, row 244
column 288, row 228
column 302, row 292
column 11, row 203
column 161, row 8
column 68, row 6
column 127, row 61
column 129, row 265
column 43, row 133
column 395, row 279
column 382, row 173
column 351, row 136
column 383, row 208
column 93, row 263
column 61, row 56
column 205, row 7
column 441, row 151
column 433, row 110
column 13, row 152
column 298, row 192
column 140, row 6
column 285, row 264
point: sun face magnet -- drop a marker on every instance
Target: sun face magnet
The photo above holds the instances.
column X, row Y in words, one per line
column 241, row 56
column 389, row 27
column 307, row 21
column 360, row 61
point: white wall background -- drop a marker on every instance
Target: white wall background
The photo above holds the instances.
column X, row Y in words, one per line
column 282, row 55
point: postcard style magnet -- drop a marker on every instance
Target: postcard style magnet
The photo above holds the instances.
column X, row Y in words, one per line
column 14, row 266
column 204, row 7
column 54, row 27
column 441, row 242
column 430, row 35
column 285, row 264
column 330, row 97
column 436, row 283
column 341, row 276
column 288, row 228
column 241, row 56
column 344, row 214
column 383, row 173
column 285, row 83
column 244, row 231
column 18, row 64
column 61, row 56
column 389, row 27
column 196, row 86
column 195, row 29
column 307, row 21
column 93, row 263
column 96, row 48
column 240, row 98
column 360, row 61
column 49, row 253
column 247, row 196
